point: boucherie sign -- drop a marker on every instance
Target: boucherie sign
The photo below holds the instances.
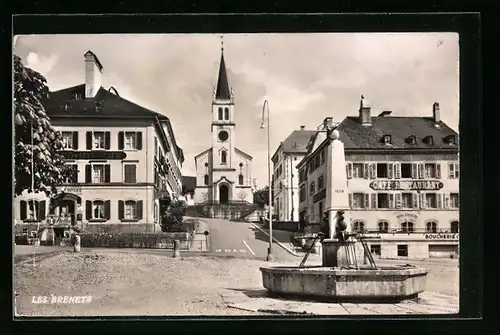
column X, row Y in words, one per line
column 440, row 236
column 406, row 185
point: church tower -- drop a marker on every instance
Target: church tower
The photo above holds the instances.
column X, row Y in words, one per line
column 223, row 171
column 223, row 126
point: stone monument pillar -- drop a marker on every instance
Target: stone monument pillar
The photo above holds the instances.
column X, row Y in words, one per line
column 334, row 252
column 337, row 197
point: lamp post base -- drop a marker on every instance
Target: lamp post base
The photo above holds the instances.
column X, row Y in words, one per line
column 270, row 256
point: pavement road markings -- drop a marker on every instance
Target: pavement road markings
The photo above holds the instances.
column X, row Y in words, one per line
column 229, row 250
column 246, row 245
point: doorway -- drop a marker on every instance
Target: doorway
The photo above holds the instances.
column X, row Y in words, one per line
column 67, row 211
column 58, row 236
column 224, row 194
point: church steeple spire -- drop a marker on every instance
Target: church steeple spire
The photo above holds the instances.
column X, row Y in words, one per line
column 223, row 91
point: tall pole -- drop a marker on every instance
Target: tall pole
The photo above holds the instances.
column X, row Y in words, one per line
column 291, row 187
column 269, row 249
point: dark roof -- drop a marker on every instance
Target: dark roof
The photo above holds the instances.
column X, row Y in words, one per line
column 63, row 103
column 356, row 136
column 223, row 91
column 296, row 142
column 188, row 184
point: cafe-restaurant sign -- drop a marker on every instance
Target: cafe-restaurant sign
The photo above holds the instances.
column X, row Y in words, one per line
column 406, row 185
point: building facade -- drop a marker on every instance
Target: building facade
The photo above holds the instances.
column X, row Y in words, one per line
column 223, row 172
column 126, row 159
column 286, row 180
column 403, row 182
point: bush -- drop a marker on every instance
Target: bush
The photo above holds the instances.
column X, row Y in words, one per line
column 172, row 218
column 21, row 240
column 133, row 240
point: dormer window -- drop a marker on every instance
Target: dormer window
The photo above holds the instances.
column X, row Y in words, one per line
column 411, row 139
column 429, row 140
column 386, row 139
column 450, row 139
column 78, row 96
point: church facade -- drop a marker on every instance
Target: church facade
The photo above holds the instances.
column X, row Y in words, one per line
column 223, row 172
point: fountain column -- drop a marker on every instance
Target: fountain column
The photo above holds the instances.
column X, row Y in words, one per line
column 337, row 198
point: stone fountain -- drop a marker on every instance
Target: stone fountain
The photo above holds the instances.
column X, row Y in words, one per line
column 340, row 277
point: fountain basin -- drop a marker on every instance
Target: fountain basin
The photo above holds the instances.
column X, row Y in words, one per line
column 342, row 284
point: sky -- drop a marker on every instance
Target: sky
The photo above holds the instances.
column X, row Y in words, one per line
column 305, row 78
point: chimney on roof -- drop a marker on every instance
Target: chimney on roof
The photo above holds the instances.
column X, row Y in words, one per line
column 327, row 123
column 93, row 72
column 365, row 117
column 302, row 127
column 435, row 112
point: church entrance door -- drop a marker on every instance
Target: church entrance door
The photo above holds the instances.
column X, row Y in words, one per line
column 223, row 194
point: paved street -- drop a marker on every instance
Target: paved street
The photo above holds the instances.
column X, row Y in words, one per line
column 242, row 240
column 25, row 252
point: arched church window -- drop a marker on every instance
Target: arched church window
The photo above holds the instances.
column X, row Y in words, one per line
column 226, row 113
column 220, row 113
column 223, row 157
column 206, row 179
column 240, row 179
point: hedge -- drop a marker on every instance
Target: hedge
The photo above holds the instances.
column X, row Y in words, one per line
column 134, row 240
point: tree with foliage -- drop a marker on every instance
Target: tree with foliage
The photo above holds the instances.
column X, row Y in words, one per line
column 172, row 216
column 30, row 95
column 261, row 197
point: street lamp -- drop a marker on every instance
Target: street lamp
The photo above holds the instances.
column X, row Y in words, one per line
column 262, row 126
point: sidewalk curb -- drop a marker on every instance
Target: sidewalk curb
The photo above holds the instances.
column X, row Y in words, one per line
column 276, row 241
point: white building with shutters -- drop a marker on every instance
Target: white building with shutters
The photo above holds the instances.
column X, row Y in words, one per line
column 126, row 157
column 403, row 182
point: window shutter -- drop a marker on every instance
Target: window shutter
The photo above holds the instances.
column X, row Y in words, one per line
column 88, row 173
column 366, row 174
column 438, row 170
column 107, row 209
column 367, row 200
column 439, row 200
column 414, row 171
column 350, row 200
column 24, row 210
column 88, row 209
column 107, row 173
column 421, row 171
column 447, row 200
column 75, row 140
column 390, row 169
column 422, row 201
column 139, row 140
column 139, row 210
column 121, row 211
column 415, row 200
column 374, row 171
column 133, row 170
column 41, row 210
column 391, row 200
column 349, row 170
column 397, row 170
column 107, row 140
column 374, row 200
column 75, row 173
column 120, row 140
column 398, row 200
column 89, row 140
